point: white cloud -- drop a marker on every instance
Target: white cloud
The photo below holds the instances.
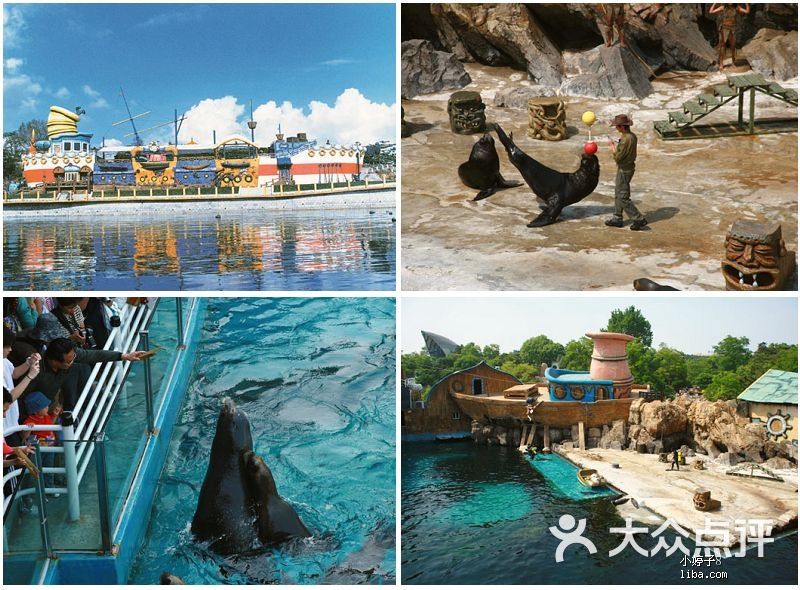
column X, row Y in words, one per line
column 353, row 117
column 337, row 62
column 90, row 92
column 12, row 63
column 21, row 92
column 14, row 26
column 213, row 114
column 98, row 102
column 180, row 17
column 62, row 93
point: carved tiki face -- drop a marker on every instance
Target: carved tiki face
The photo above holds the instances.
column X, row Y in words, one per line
column 756, row 258
column 466, row 111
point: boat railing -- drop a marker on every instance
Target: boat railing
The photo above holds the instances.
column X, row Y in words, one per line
column 101, row 440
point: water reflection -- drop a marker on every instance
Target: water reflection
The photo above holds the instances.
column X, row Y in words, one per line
column 318, row 250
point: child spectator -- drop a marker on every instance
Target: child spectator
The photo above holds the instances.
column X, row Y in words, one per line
column 42, row 413
column 9, row 460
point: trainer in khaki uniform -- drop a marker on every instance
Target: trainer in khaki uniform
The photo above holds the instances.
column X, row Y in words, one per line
column 625, row 156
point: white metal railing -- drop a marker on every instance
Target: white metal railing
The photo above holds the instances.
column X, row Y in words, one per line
column 90, row 412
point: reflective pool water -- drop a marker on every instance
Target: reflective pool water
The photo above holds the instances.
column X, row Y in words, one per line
column 330, row 250
column 316, row 378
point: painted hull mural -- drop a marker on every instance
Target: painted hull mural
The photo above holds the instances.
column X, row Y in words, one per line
column 67, row 161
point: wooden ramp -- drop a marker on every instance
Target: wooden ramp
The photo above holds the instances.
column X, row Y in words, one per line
column 682, row 124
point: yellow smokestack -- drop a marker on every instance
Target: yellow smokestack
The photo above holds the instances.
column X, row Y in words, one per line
column 61, row 121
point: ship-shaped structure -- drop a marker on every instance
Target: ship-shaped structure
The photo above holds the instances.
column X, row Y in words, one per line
column 66, row 160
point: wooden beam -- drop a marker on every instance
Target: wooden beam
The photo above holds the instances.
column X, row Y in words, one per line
column 581, row 438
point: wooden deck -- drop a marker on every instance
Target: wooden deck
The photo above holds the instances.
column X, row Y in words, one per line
column 556, row 414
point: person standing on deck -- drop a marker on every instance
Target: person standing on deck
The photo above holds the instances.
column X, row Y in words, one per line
column 625, row 156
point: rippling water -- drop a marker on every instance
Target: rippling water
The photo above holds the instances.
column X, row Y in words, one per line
column 317, row 379
column 298, row 250
column 480, row 515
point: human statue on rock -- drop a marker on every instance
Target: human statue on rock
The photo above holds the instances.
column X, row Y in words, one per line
column 612, row 16
column 727, row 28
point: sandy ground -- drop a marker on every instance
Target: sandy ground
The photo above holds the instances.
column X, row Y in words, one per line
column 690, row 191
column 670, row 493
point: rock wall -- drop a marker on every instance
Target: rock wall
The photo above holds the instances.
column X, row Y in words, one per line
column 715, row 429
column 542, row 39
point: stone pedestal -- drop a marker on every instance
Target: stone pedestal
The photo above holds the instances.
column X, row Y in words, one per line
column 610, row 361
column 467, row 112
column 547, row 119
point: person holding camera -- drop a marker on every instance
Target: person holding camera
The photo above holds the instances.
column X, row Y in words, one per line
column 65, row 321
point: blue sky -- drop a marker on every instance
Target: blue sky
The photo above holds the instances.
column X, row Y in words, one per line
column 328, row 68
column 690, row 324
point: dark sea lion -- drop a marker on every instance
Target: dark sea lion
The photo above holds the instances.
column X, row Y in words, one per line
column 556, row 189
column 224, row 513
column 276, row 520
column 168, row 579
column 648, row 285
column 482, row 170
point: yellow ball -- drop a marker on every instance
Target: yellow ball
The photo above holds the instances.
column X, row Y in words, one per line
column 588, row 118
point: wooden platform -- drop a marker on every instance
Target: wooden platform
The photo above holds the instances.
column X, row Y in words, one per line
column 713, row 130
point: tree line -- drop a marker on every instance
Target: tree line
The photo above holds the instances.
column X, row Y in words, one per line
column 724, row 374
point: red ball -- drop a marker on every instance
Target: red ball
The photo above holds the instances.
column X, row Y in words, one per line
column 590, row 148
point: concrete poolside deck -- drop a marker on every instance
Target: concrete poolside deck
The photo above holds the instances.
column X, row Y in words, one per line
column 670, row 493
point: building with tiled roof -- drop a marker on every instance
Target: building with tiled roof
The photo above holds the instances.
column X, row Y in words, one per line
column 772, row 400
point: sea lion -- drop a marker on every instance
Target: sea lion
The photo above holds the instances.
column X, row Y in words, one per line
column 276, row 520
column 556, row 189
column 482, row 170
column 168, row 579
column 230, row 511
column 648, row 285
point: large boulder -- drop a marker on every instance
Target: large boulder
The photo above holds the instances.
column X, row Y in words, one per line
column 779, row 463
column 664, row 418
column 615, row 434
column 610, row 72
column 499, row 35
column 425, row 70
column 683, row 44
column 773, row 54
column 717, row 428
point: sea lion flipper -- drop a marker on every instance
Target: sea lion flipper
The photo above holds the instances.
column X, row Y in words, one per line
column 503, row 183
column 487, row 192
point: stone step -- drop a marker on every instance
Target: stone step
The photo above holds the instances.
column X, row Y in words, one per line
column 679, row 117
column 694, row 107
column 724, row 90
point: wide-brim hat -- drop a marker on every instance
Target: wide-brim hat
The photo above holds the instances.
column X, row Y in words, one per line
column 621, row 120
column 36, row 401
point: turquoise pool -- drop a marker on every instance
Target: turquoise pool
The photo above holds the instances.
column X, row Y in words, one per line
column 317, row 380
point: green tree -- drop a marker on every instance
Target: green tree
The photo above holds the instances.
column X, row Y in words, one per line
column 731, row 353
column 670, row 369
column 577, row 354
column 522, row 371
column 631, row 321
column 540, row 349
column 15, row 144
column 643, row 364
column 699, row 371
column 725, row 385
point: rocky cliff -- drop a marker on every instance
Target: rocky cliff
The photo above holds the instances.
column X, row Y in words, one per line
column 544, row 39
